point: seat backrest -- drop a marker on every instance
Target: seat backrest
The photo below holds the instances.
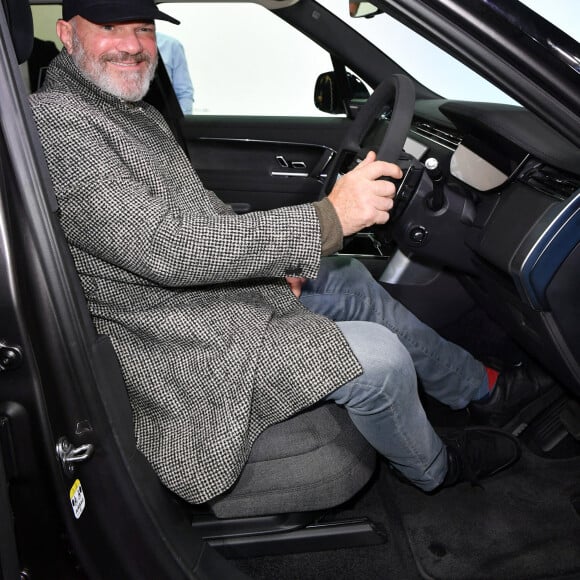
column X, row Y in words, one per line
column 43, row 51
column 162, row 96
column 21, row 28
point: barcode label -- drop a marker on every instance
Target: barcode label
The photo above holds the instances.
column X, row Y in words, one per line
column 77, row 499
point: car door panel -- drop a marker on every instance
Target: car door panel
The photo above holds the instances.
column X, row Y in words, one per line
column 259, row 163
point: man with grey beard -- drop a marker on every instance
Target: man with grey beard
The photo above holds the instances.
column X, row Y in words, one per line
column 120, row 71
column 225, row 324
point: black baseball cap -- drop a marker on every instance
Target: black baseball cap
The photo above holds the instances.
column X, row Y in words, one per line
column 106, row 11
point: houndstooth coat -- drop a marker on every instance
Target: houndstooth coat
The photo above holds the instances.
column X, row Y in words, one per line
column 213, row 346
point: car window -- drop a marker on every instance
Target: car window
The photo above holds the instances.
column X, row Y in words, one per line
column 46, row 45
column 44, row 17
column 259, row 65
column 565, row 14
column 244, row 60
column 431, row 65
column 420, row 58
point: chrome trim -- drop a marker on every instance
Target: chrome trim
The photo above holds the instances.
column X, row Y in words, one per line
column 330, row 158
column 266, row 141
column 69, row 455
column 443, row 138
column 364, row 256
column 288, row 174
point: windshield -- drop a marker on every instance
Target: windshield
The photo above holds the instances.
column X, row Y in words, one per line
column 433, row 67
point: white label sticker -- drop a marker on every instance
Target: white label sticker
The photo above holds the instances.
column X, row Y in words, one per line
column 77, row 499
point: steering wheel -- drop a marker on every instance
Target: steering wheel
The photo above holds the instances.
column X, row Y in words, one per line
column 398, row 92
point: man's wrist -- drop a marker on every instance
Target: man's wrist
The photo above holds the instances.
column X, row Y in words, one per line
column 331, row 236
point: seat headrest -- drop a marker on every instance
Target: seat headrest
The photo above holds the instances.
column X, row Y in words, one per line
column 19, row 17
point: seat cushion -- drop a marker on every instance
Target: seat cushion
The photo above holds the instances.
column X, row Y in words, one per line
column 315, row 460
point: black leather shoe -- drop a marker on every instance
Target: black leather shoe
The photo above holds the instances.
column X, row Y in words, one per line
column 479, row 452
column 518, row 389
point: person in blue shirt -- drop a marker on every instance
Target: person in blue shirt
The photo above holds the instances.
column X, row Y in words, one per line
column 173, row 56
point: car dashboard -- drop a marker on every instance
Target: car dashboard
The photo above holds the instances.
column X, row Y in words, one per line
column 511, row 223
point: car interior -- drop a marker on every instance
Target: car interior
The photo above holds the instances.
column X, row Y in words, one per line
column 483, row 245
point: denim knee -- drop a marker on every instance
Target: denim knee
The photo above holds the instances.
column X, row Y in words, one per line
column 388, row 371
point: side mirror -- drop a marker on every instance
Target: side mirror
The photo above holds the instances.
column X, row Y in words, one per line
column 329, row 93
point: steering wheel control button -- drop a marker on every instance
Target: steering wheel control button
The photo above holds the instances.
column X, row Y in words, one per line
column 418, row 235
column 406, row 186
column 10, row 357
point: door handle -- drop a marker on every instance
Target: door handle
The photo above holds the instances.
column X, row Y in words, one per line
column 289, row 168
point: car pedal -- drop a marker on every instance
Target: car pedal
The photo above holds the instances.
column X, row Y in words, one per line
column 570, row 417
column 522, row 420
column 549, row 429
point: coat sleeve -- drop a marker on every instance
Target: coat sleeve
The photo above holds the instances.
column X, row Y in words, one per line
column 108, row 213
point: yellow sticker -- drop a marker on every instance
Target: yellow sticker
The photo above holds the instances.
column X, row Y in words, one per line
column 77, row 499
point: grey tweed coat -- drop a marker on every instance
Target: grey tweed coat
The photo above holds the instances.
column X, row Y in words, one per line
column 213, row 346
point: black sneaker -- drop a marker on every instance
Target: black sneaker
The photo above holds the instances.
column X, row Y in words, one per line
column 520, row 393
column 479, row 452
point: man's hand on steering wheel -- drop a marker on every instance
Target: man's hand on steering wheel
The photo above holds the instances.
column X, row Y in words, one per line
column 360, row 198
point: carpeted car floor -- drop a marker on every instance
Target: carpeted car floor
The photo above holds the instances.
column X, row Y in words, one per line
column 522, row 524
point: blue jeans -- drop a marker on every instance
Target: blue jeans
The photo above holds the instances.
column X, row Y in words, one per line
column 393, row 347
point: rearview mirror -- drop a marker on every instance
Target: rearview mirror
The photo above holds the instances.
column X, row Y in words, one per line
column 362, row 9
column 329, row 93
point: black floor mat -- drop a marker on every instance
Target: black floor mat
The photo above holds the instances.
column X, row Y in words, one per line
column 519, row 525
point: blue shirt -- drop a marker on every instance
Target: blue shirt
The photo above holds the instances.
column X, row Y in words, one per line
column 173, row 55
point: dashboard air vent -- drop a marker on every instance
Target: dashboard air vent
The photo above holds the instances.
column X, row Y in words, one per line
column 444, row 137
column 552, row 181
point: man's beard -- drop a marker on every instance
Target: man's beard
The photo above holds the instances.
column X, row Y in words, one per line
column 133, row 85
